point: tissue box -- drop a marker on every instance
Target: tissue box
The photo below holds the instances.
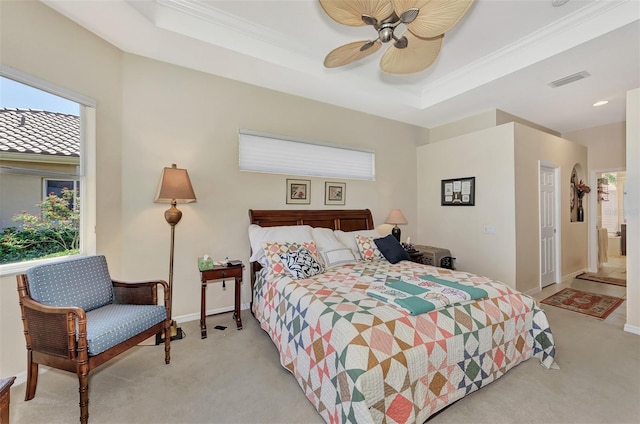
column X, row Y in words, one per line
column 205, row 263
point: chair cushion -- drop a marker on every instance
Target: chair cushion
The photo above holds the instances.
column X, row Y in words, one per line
column 112, row 324
column 82, row 282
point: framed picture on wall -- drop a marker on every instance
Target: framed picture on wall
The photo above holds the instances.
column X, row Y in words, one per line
column 298, row 192
column 335, row 193
column 458, row 192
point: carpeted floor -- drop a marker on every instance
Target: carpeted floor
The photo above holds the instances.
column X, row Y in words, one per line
column 602, row 279
column 592, row 304
column 235, row 377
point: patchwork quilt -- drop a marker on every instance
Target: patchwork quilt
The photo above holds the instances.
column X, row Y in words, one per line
column 361, row 360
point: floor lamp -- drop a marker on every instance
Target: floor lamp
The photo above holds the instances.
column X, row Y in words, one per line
column 175, row 187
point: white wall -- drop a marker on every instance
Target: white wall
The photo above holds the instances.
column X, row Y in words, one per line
column 632, row 210
column 486, row 155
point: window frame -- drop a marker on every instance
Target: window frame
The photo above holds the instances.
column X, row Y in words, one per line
column 86, row 170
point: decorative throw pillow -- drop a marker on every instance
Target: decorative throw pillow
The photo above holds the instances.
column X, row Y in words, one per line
column 391, row 249
column 336, row 257
column 368, row 249
column 301, row 263
column 348, row 238
column 273, row 250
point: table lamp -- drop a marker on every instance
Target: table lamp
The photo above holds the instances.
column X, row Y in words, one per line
column 396, row 217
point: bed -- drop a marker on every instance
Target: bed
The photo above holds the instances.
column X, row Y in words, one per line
column 363, row 359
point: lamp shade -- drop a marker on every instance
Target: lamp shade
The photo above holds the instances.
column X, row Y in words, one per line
column 396, row 217
column 175, row 185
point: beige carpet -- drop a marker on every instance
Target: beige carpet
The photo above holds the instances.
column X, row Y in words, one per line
column 235, row 377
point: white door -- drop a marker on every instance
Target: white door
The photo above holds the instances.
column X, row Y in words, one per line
column 547, row 226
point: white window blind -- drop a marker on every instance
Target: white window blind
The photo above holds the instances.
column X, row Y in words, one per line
column 282, row 155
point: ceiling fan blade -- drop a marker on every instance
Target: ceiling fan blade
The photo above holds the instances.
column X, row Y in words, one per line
column 435, row 17
column 351, row 52
column 350, row 12
column 419, row 54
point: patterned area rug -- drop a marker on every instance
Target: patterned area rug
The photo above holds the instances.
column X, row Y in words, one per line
column 609, row 280
column 595, row 305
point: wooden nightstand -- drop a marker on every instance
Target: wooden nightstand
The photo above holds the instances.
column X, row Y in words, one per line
column 220, row 273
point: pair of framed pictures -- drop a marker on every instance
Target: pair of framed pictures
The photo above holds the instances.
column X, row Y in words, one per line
column 299, row 192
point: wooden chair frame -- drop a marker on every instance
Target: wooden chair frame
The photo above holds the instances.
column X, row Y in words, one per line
column 52, row 340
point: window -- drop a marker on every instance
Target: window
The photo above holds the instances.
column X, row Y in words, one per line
column 58, row 187
column 47, row 160
column 282, row 155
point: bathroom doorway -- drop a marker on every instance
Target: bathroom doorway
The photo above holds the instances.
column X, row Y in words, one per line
column 610, row 224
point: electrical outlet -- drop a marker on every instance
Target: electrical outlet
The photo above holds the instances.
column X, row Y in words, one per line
column 489, row 229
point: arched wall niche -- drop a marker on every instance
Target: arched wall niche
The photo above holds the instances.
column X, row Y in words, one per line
column 575, row 203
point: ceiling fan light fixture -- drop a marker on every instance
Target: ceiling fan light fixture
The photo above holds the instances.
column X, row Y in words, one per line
column 349, row 12
column 414, row 51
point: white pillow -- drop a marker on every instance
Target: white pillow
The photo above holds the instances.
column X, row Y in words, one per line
column 336, row 257
column 286, row 233
column 348, row 238
column 326, row 239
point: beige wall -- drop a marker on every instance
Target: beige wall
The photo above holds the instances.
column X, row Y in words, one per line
column 505, row 161
column 486, row 155
column 532, row 148
column 606, row 144
column 36, row 40
column 632, row 210
column 488, row 119
column 175, row 115
column 151, row 114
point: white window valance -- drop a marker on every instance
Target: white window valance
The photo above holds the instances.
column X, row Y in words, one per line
column 261, row 152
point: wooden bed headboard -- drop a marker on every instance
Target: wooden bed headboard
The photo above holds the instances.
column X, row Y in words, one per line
column 344, row 219
column 335, row 219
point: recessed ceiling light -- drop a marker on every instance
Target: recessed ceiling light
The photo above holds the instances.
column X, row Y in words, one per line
column 601, row 103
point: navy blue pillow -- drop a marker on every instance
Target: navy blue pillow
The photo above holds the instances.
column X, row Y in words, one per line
column 391, row 249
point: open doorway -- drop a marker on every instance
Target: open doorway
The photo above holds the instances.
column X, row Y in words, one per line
column 610, row 224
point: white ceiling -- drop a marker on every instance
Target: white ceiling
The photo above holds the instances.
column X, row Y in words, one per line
column 501, row 55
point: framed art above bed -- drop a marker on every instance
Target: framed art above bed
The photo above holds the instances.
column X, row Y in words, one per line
column 298, row 192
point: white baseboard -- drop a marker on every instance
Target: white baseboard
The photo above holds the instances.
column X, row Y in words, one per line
column 634, row 329
column 196, row 316
column 567, row 278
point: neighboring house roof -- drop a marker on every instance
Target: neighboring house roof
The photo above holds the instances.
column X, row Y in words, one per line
column 39, row 132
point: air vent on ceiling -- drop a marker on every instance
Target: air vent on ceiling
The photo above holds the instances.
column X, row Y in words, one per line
column 569, row 79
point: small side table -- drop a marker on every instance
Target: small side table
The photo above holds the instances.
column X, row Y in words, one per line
column 5, row 397
column 415, row 256
column 220, row 273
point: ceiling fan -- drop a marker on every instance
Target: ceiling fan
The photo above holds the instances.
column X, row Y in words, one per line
column 413, row 51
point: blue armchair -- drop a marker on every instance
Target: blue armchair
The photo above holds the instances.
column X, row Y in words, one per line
column 76, row 318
